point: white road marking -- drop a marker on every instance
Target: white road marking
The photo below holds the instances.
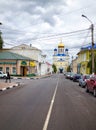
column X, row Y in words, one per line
column 50, row 108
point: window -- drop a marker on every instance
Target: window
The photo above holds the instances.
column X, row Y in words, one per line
column 7, row 69
column 14, row 70
column 1, row 68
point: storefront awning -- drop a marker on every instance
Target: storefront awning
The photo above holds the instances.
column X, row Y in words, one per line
column 8, row 63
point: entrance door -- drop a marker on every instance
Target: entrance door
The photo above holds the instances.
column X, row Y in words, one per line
column 23, row 70
column 61, row 70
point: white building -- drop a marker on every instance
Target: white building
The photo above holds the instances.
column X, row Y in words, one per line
column 33, row 53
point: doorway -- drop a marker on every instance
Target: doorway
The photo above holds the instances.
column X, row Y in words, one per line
column 61, row 70
column 23, row 70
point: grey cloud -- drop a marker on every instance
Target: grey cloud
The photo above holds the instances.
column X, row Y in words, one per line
column 45, row 2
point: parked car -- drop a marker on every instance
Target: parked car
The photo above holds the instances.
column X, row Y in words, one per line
column 2, row 74
column 67, row 75
column 91, row 85
column 83, row 79
column 76, row 77
column 71, row 75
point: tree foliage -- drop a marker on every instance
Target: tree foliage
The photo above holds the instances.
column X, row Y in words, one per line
column 68, row 68
column 54, row 68
column 89, row 65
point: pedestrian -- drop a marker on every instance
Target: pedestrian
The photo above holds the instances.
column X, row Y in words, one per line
column 8, row 77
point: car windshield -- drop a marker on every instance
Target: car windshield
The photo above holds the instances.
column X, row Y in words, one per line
column 87, row 76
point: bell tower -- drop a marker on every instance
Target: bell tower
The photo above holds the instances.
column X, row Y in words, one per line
column 61, row 48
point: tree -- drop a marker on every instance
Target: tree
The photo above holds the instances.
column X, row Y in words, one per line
column 1, row 41
column 68, row 68
column 54, row 68
column 89, row 65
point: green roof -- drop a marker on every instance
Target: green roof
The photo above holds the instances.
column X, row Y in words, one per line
column 12, row 56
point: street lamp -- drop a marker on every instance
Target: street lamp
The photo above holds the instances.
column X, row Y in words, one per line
column 92, row 39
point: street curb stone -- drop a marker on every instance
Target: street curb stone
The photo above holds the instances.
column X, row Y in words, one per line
column 9, row 87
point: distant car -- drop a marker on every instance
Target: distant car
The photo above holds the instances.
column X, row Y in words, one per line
column 71, row 75
column 76, row 77
column 67, row 75
column 91, row 85
column 83, row 79
column 2, row 74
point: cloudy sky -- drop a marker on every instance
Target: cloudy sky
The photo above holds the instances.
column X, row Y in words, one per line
column 44, row 23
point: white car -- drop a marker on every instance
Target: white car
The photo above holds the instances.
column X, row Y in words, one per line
column 2, row 74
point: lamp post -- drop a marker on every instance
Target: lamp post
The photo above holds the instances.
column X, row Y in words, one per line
column 92, row 40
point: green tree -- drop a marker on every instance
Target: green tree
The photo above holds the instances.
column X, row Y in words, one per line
column 54, row 68
column 68, row 68
column 89, row 65
column 1, row 41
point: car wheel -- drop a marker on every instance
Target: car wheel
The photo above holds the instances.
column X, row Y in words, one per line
column 84, row 86
column 4, row 77
column 81, row 86
column 87, row 90
column 94, row 92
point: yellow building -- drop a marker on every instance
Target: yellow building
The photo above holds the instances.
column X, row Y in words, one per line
column 83, row 58
column 74, row 65
column 61, row 58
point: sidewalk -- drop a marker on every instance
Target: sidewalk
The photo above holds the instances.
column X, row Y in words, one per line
column 34, row 77
column 4, row 86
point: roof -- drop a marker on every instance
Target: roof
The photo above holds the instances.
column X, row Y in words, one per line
column 66, row 49
column 88, row 47
column 60, row 44
column 12, row 56
column 60, row 55
column 24, row 46
column 55, row 49
column 48, row 63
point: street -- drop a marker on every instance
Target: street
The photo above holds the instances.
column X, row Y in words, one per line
column 52, row 103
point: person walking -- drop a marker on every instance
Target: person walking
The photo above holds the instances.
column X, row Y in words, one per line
column 8, row 77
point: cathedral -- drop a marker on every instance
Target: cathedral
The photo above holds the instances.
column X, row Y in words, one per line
column 61, row 58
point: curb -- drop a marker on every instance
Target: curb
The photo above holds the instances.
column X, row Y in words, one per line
column 32, row 77
column 9, row 87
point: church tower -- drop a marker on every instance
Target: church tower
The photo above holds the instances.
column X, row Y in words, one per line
column 55, row 51
column 61, row 48
column 61, row 58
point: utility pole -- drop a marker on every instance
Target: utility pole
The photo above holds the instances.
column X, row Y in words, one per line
column 92, row 40
column 1, row 41
column 92, row 51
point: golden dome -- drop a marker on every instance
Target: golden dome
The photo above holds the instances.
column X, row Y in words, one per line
column 60, row 44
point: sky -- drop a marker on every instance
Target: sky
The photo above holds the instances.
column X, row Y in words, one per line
column 45, row 23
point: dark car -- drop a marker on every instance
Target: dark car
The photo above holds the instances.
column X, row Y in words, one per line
column 76, row 77
column 72, row 75
column 83, row 79
column 91, row 85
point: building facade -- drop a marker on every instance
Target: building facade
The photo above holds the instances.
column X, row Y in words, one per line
column 16, row 64
column 84, row 56
column 33, row 60
column 61, row 58
column 74, row 65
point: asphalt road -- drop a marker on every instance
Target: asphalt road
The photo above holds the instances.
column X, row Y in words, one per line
column 53, row 103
